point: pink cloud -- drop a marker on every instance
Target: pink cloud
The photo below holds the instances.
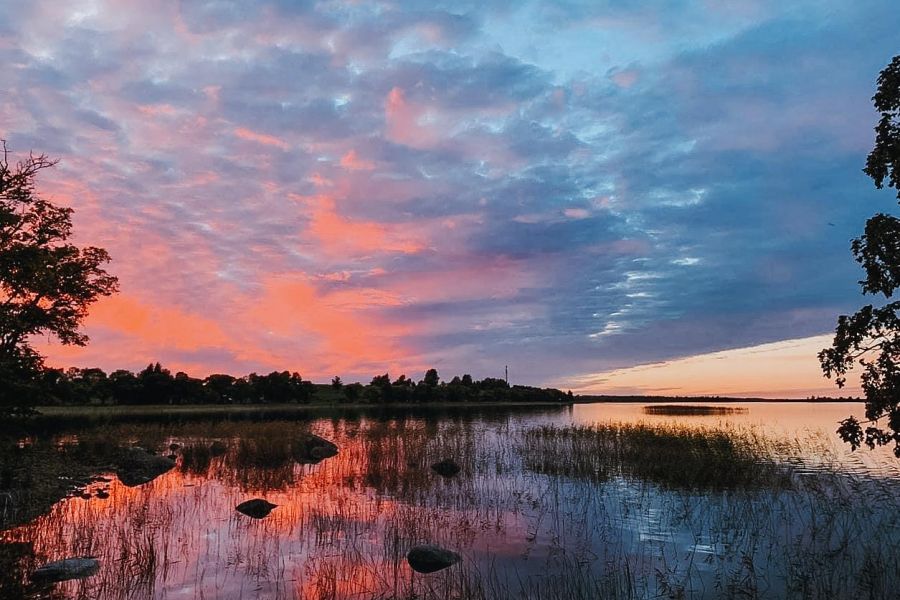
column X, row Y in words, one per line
column 625, row 78
column 352, row 162
column 340, row 331
column 345, row 237
column 403, row 120
column 260, row 138
column 157, row 110
column 577, row 213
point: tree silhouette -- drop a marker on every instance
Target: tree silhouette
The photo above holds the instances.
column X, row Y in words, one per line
column 155, row 384
column 431, row 378
column 871, row 337
column 46, row 284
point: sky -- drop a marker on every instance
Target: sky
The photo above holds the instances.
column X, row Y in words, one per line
column 608, row 196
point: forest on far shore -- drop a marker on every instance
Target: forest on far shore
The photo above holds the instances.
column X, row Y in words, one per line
column 157, row 385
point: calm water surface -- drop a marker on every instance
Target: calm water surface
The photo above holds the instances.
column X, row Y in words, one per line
column 342, row 527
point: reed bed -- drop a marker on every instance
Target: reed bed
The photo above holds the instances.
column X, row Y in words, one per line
column 674, row 456
column 693, row 410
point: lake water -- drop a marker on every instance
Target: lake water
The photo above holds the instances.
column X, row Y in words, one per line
column 525, row 521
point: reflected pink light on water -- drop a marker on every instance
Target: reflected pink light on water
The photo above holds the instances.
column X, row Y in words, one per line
column 342, row 527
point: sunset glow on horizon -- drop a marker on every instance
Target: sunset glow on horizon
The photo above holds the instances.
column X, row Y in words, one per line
column 777, row 370
column 623, row 198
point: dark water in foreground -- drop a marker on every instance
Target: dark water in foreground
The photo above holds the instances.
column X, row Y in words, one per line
column 527, row 523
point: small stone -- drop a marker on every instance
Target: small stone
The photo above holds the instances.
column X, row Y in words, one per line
column 312, row 449
column 446, row 468
column 137, row 467
column 428, row 558
column 256, row 508
column 68, row 568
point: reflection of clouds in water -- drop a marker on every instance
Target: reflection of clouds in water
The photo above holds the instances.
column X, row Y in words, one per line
column 342, row 527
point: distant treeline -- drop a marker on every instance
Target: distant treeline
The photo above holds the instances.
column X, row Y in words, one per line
column 157, row 385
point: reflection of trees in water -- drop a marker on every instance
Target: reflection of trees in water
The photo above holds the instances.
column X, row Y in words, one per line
column 342, row 527
column 16, row 560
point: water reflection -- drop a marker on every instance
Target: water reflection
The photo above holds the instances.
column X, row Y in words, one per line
column 530, row 519
column 807, row 428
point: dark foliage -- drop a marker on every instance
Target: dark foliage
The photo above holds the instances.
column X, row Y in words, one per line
column 46, row 284
column 156, row 385
column 460, row 389
column 871, row 337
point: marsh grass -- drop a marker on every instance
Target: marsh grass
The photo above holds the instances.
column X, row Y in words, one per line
column 693, row 410
column 548, row 512
column 673, row 456
column 196, row 457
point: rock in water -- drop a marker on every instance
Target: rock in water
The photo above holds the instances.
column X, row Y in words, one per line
column 446, row 468
column 137, row 466
column 256, row 508
column 68, row 568
column 429, row 558
column 218, row 448
column 312, row 449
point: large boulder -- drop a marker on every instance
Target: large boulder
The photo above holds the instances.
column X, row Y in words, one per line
column 428, row 558
column 136, row 466
column 68, row 568
column 446, row 468
column 256, row 508
column 311, row 449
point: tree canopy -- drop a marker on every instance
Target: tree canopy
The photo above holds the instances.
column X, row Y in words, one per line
column 46, row 283
column 157, row 385
column 871, row 337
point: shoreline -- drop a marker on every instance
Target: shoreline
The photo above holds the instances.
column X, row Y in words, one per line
column 174, row 409
column 224, row 409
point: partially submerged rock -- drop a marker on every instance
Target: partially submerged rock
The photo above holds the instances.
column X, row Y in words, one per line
column 137, row 466
column 446, row 468
column 218, row 448
column 256, row 508
column 312, row 449
column 428, row 558
column 68, row 568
